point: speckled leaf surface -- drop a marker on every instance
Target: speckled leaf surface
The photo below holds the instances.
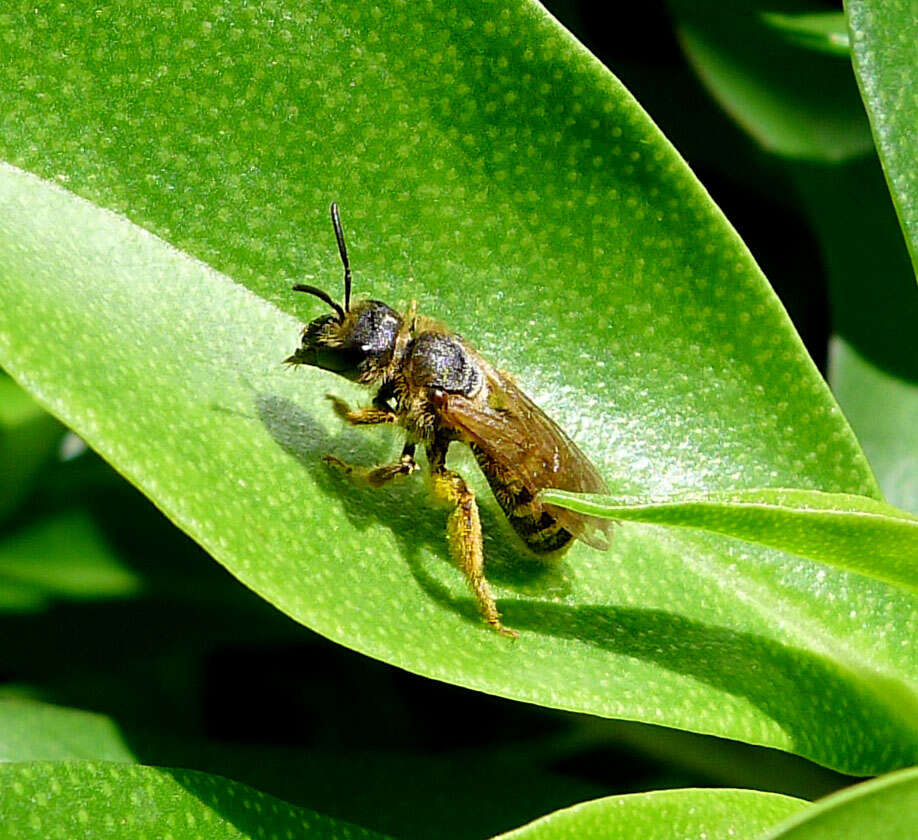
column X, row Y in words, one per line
column 541, row 214
column 881, row 809
column 883, row 37
column 46, row 800
column 852, row 532
column 665, row 815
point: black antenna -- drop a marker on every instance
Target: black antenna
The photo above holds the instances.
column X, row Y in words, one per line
column 342, row 249
column 324, row 296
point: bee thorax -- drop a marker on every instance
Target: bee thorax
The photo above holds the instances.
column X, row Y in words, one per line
column 441, row 362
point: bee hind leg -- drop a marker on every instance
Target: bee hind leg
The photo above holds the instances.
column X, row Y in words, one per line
column 464, row 533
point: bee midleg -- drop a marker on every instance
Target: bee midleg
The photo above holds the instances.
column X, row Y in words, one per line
column 374, row 415
column 463, row 531
column 378, row 476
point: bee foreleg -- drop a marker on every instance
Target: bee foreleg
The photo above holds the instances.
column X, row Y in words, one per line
column 377, row 476
column 464, row 533
column 371, row 416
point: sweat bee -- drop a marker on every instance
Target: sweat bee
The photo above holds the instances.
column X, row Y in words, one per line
column 440, row 390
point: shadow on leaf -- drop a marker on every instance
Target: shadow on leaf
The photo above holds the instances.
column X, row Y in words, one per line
column 756, row 668
column 782, row 681
column 405, row 506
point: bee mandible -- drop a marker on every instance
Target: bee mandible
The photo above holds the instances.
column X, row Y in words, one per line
column 433, row 384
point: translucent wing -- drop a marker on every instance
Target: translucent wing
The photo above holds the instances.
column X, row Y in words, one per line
column 528, row 447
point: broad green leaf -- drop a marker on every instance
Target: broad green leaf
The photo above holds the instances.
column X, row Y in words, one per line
column 853, row 532
column 423, row 593
column 881, row 809
column 50, row 799
column 824, row 31
column 642, row 325
column 755, row 72
column 883, row 37
column 665, row 815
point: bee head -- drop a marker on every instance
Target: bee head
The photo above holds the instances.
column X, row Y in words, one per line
column 356, row 346
column 355, row 342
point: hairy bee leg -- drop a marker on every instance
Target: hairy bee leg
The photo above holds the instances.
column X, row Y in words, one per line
column 372, row 416
column 464, row 533
column 377, row 476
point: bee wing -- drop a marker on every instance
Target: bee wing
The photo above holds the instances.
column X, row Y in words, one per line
column 529, row 446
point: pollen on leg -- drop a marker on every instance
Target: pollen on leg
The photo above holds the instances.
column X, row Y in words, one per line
column 463, row 530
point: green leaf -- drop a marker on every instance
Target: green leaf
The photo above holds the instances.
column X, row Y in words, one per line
column 754, row 71
column 873, row 366
column 375, row 790
column 873, row 295
column 851, row 532
column 40, row 732
column 405, row 794
column 61, row 557
column 706, row 762
column 876, row 810
column 602, row 276
column 883, row 35
column 665, row 815
column 28, row 437
column 823, row 31
column 883, row 408
column 111, row 800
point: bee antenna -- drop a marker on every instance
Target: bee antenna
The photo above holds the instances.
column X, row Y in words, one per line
column 323, row 296
column 342, row 249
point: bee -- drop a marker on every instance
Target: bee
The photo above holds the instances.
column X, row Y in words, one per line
column 432, row 383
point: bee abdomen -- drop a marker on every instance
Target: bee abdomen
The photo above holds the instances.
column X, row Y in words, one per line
column 541, row 532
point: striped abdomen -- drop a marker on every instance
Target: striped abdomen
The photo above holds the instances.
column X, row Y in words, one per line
column 541, row 532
